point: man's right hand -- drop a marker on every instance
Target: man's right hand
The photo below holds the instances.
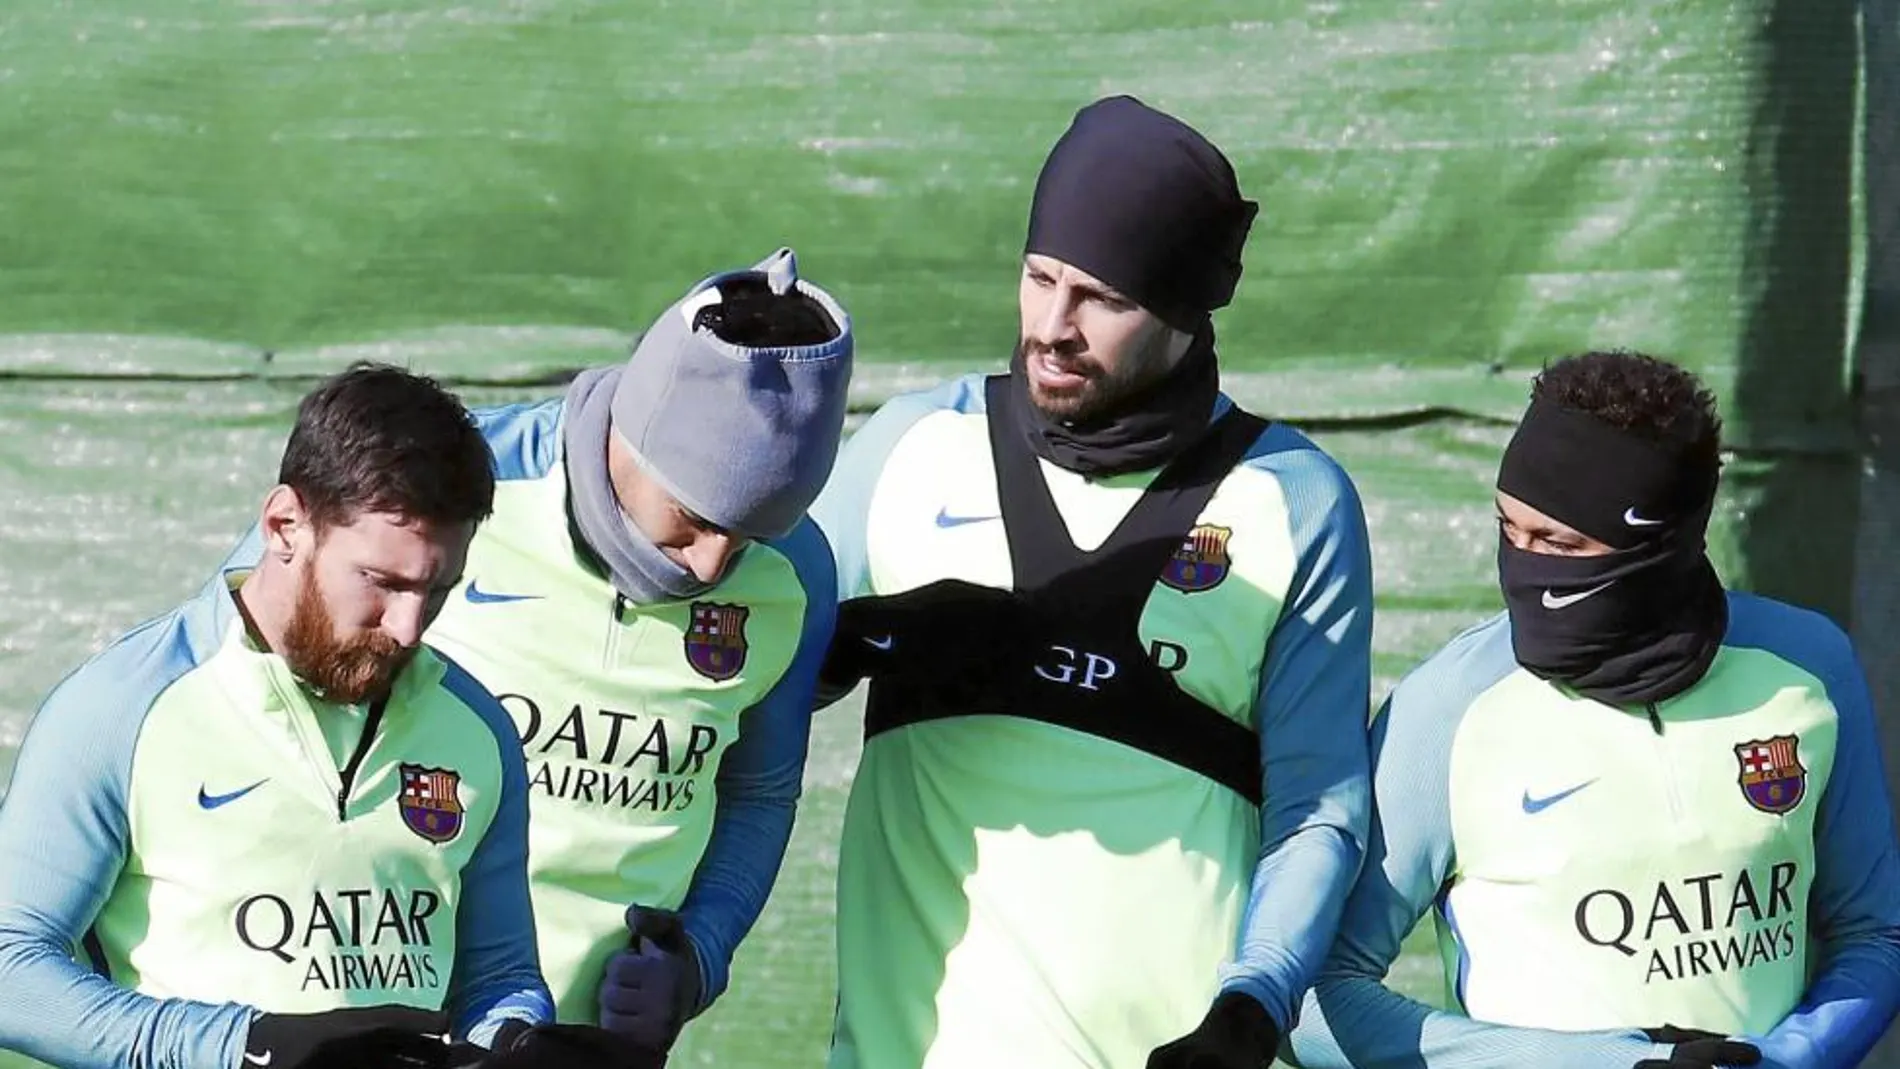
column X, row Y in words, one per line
column 648, row 991
column 366, row 1037
column 568, row 1046
column 1693, row 1048
column 932, row 634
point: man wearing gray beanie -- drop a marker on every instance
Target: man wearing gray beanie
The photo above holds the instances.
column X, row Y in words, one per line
column 1117, row 632
column 651, row 605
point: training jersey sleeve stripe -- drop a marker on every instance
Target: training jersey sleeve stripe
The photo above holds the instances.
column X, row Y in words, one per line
column 1855, row 901
column 495, row 937
column 843, row 509
column 523, row 438
column 759, row 779
column 1310, row 715
column 64, row 835
column 1351, row 1018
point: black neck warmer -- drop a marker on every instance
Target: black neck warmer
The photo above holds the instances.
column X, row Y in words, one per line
column 1635, row 626
column 1146, row 432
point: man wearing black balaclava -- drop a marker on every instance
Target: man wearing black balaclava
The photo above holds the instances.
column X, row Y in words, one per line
column 1117, row 636
column 1647, row 813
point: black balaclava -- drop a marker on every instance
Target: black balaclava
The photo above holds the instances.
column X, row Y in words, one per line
column 1143, row 202
column 1632, row 627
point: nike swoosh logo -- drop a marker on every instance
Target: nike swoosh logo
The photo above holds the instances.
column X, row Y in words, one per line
column 213, row 801
column 483, row 597
column 1554, row 601
column 1630, row 517
column 884, row 643
column 1538, row 805
column 944, row 519
column 257, row 1059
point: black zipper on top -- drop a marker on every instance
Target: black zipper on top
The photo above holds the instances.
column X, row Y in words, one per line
column 348, row 772
column 1655, row 718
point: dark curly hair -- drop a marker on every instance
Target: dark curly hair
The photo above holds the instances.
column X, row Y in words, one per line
column 1637, row 393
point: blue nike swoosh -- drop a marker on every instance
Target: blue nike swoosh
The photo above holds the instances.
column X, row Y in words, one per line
column 944, row 519
column 483, row 597
column 213, row 801
column 1538, row 805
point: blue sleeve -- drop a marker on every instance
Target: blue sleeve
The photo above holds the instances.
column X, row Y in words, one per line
column 758, row 780
column 843, row 510
column 1350, row 1019
column 1855, row 901
column 522, row 438
column 64, row 836
column 1314, row 697
column 248, row 551
column 497, row 975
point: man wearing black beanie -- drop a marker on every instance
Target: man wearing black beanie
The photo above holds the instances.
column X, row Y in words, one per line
column 1117, row 636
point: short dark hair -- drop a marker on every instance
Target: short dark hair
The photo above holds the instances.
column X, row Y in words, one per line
column 1639, row 393
column 377, row 438
column 751, row 315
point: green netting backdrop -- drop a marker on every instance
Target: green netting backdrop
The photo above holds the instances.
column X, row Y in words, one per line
column 206, row 203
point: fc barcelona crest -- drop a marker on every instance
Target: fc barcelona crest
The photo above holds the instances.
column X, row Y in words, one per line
column 1773, row 779
column 431, row 802
column 715, row 643
column 1201, row 562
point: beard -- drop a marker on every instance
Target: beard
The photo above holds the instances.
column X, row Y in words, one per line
column 1103, row 391
column 349, row 671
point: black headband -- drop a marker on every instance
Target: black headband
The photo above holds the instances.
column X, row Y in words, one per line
column 1616, row 486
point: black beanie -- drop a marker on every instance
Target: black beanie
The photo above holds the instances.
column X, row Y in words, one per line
column 1143, row 202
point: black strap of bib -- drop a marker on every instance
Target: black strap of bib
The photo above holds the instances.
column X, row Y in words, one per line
column 1069, row 605
column 1121, row 572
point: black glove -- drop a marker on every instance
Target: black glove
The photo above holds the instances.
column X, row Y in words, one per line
column 568, row 1046
column 1237, row 1033
column 364, row 1037
column 648, row 990
column 932, row 634
column 465, row 1054
column 1696, row 1049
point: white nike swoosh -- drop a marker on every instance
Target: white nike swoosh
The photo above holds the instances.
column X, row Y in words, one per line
column 257, row 1059
column 1630, row 517
column 1553, row 601
column 884, row 643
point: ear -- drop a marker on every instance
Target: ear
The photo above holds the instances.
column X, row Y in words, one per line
column 286, row 526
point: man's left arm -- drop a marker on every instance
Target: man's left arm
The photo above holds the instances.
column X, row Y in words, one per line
column 497, row 975
column 759, row 779
column 1315, row 696
column 1855, row 901
column 1311, row 716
